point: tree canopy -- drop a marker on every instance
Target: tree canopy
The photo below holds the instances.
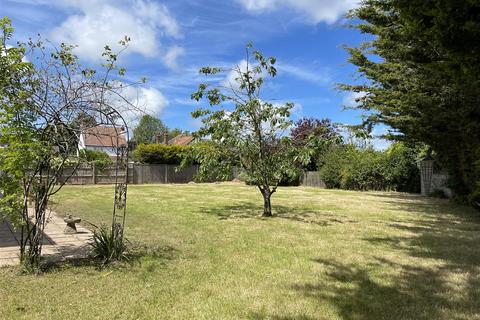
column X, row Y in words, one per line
column 148, row 128
column 322, row 130
column 421, row 76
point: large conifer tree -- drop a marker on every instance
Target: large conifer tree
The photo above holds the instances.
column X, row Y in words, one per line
column 422, row 71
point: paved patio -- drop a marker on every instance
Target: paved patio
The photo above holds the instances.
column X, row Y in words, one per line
column 57, row 245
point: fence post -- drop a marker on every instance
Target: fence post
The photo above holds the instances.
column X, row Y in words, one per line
column 166, row 173
column 133, row 173
column 94, row 173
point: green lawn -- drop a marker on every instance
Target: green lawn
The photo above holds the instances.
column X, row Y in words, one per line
column 325, row 255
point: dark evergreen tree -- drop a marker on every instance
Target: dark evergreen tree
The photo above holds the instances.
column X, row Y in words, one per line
column 422, row 77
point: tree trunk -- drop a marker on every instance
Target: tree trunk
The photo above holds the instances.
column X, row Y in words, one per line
column 267, row 206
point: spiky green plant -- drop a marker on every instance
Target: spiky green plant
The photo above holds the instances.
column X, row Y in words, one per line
column 109, row 244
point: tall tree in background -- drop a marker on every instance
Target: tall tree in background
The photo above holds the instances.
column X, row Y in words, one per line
column 422, row 72
column 322, row 129
column 244, row 129
column 147, row 129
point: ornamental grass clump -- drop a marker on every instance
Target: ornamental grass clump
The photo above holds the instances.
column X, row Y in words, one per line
column 109, row 245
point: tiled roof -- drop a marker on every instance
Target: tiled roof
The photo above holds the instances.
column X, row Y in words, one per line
column 103, row 136
column 181, row 140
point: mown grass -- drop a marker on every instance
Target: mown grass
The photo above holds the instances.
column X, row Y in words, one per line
column 206, row 254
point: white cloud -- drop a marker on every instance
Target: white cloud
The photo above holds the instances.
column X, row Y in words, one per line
column 350, row 99
column 316, row 77
column 301, row 73
column 102, row 22
column 153, row 100
column 141, row 101
column 187, row 102
column 172, row 55
column 314, row 11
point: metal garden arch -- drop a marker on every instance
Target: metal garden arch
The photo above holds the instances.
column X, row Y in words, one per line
column 111, row 117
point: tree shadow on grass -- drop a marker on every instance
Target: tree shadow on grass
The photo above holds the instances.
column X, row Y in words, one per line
column 439, row 230
column 440, row 280
column 252, row 211
column 416, row 293
column 262, row 316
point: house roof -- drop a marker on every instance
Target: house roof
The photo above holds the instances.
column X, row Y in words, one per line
column 104, row 136
column 181, row 140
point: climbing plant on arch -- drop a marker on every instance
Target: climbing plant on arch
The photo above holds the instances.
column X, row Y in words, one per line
column 47, row 100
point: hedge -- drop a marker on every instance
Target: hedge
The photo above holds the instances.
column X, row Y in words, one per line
column 351, row 168
column 160, row 153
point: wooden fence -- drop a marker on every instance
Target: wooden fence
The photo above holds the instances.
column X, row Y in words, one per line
column 137, row 174
column 162, row 173
column 312, row 179
column 157, row 174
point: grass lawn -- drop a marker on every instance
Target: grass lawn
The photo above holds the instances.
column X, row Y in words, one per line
column 326, row 254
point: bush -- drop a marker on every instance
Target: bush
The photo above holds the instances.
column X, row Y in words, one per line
column 108, row 245
column 403, row 171
column 99, row 158
column 335, row 161
column 160, row 154
column 352, row 168
column 366, row 171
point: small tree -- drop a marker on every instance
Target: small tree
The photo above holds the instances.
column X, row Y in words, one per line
column 246, row 130
column 148, row 128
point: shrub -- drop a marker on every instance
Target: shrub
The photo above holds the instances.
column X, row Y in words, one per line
column 99, row 158
column 108, row 245
column 160, row 153
column 353, row 168
column 403, row 172
column 365, row 171
column 335, row 161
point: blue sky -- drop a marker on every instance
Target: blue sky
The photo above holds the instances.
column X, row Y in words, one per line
column 172, row 39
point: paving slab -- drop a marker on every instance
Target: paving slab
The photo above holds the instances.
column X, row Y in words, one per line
column 57, row 245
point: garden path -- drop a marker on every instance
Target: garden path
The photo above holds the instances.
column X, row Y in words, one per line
column 57, row 246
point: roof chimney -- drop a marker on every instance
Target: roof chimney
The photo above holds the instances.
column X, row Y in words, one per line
column 165, row 137
column 158, row 138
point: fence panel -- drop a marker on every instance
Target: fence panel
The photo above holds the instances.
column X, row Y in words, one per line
column 312, row 179
column 148, row 173
column 185, row 175
column 137, row 174
column 83, row 175
column 163, row 173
